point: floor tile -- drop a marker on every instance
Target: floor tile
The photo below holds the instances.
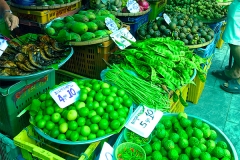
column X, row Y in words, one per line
column 213, row 106
column 231, row 130
column 233, row 116
column 235, row 102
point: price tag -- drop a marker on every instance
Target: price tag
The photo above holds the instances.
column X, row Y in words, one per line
column 66, row 94
column 166, row 18
column 144, row 120
column 133, row 6
column 112, row 26
column 3, row 45
column 104, row 1
column 107, row 152
column 118, row 38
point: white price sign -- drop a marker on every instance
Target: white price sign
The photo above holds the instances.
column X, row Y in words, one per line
column 166, row 18
column 133, row 6
column 112, row 26
column 3, row 45
column 106, row 153
column 66, row 94
column 118, row 38
column 144, row 120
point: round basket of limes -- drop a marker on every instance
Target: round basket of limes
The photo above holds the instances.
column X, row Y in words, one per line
column 101, row 111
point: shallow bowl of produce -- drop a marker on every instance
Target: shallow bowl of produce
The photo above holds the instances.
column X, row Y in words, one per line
column 220, row 135
column 13, row 75
column 161, row 132
column 98, row 116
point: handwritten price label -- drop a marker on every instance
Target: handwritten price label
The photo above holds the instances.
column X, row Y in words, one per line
column 112, row 26
column 166, row 18
column 144, row 120
column 133, row 6
column 118, row 38
column 66, row 94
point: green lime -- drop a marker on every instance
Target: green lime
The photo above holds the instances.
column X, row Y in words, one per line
column 74, row 136
column 63, row 127
column 79, row 105
column 54, row 133
column 41, row 123
column 85, row 131
column 49, row 125
column 109, row 108
column 103, row 124
column 72, row 115
column 95, row 119
column 81, row 121
column 94, row 128
column 38, row 117
column 113, row 115
column 56, row 117
column 100, row 133
column 83, row 112
column 61, row 137
column 43, row 97
column 72, row 125
column 115, row 124
column 195, row 152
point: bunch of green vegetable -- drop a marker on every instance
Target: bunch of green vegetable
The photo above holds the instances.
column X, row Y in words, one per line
column 135, row 138
column 162, row 61
column 141, row 91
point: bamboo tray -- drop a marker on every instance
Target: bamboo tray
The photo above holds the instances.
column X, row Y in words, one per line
column 34, row 7
column 130, row 14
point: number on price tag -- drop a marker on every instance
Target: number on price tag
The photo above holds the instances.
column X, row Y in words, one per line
column 66, row 94
column 133, row 6
column 144, row 120
column 166, row 18
column 3, row 46
column 112, row 26
column 118, row 38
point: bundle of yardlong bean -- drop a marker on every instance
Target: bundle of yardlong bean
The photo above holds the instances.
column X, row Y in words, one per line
column 141, row 91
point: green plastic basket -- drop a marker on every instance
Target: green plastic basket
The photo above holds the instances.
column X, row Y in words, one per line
column 128, row 140
column 128, row 145
column 16, row 96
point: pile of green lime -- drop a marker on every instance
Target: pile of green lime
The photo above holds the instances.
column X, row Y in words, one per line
column 179, row 138
column 102, row 109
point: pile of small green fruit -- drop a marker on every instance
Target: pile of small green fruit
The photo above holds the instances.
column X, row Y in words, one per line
column 182, row 27
column 82, row 26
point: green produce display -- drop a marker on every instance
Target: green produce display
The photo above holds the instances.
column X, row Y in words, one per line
column 182, row 27
column 163, row 62
column 179, row 137
column 101, row 109
column 51, row 2
column 83, row 26
column 203, row 9
column 130, row 136
column 141, row 91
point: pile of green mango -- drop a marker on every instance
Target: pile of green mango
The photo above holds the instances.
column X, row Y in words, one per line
column 51, row 2
column 82, row 26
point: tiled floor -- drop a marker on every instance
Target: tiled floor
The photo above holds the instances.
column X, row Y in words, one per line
column 217, row 106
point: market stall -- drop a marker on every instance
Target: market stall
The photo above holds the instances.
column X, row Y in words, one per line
column 109, row 80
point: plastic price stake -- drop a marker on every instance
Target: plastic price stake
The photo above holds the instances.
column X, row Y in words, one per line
column 133, row 6
column 66, row 94
column 144, row 120
column 118, row 38
column 166, row 18
column 107, row 152
column 112, row 26
column 3, row 46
